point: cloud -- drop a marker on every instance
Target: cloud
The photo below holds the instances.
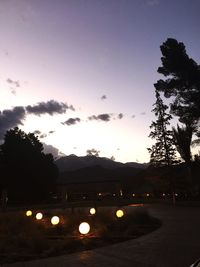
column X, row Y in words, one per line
column 40, row 134
column 101, row 117
column 71, row 107
column 13, row 91
column 92, row 152
column 133, row 116
column 37, row 132
column 51, row 132
column 12, row 82
column 43, row 135
column 103, row 97
column 143, row 113
column 152, row 2
column 10, row 118
column 50, row 107
column 120, row 116
column 71, row 121
column 53, row 150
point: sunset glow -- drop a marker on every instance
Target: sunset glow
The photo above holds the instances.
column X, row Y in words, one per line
column 97, row 61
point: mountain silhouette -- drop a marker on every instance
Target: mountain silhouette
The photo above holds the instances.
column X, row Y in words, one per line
column 73, row 162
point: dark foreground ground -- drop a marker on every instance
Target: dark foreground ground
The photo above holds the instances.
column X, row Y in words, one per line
column 175, row 244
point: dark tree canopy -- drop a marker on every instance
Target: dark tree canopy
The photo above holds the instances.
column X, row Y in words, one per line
column 28, row 173
column 182, row 82
column 183, row 139
column 162, row 152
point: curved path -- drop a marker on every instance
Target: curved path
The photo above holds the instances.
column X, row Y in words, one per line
column 175, row 244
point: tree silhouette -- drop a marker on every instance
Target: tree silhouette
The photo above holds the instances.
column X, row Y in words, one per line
column 182, row 82
column 182, row 139
column 162, row 152
column 29, row 174
column 93, row 152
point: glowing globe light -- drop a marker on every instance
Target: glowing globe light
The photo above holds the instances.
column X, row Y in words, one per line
column 84, row 228
column 119, row 213
column 55, row 220
column 29, row 213
column 39, row 216
column 92, row 211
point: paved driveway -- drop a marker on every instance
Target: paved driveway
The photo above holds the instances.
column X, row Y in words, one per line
column 175, row 244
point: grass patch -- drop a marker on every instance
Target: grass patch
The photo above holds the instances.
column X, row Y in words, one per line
column 24, row 238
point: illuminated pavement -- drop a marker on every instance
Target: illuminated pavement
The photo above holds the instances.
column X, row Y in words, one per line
column 175, row 244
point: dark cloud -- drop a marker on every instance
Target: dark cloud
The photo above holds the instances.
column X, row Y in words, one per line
column 10, row 118
column 71, row 121
column 120, row 116
column 13, row 91
column 92, row 152
column 143, row 113
column 37, row 132
column 50, row 107
column 40, row 134
column 103, row 97
column 71, row 107
column 101, row 117
column 12, row 82
column 43, row 135
column 53, row 150
column 133, row 116
column 51, row 132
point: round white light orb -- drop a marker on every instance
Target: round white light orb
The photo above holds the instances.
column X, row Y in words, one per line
column 55, row 220
column 119, row 213
column 29, row 213
column 92, row 211
column 39, row 216
column 84, row 228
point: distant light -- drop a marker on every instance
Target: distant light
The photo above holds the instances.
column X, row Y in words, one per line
column 39, row 216
column 55, row 220
column 119, row 213
column 148, row 194
column 163, row 194
column 29, row 213
column 176, row 194
column 84, row 228
column 92, row 211
column 133, row 195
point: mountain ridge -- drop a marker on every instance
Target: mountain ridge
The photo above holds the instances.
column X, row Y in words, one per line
column 73, row 163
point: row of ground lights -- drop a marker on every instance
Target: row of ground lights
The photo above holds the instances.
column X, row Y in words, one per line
column 84, row 227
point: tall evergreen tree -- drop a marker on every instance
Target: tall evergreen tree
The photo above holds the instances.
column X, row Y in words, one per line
column 162, row 152
column 182, row 139
column 182, row 82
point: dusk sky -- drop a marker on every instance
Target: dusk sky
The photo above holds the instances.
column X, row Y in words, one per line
column 80, row 73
